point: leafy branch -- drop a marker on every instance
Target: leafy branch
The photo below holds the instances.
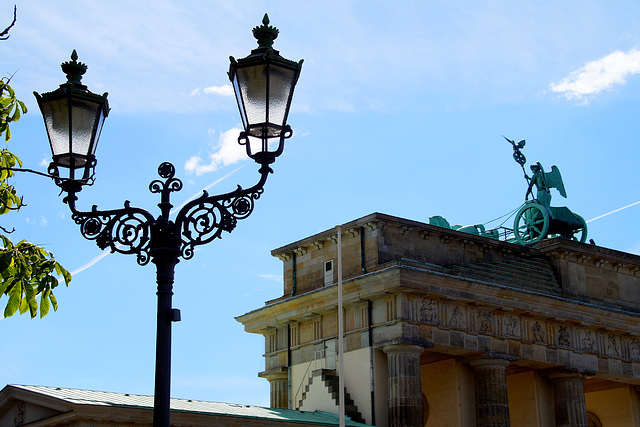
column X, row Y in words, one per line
column 27, row 271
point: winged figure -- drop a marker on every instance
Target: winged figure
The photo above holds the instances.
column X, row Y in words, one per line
column 545, row 181
column 517, row 154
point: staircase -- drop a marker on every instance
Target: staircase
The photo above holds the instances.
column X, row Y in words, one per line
column 330, row 380
column 531, row 274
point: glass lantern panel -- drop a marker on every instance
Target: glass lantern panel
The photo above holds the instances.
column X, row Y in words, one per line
column 236, row 89
column 281, row 82
column 84, row 117
column 252, row 82
column 101, row 118
column 56, row 119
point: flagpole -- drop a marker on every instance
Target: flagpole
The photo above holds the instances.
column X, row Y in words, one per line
column 340, row 331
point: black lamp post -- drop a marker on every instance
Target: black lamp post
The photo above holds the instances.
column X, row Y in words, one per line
column 264, row 84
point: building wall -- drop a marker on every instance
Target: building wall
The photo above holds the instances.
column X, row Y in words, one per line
column 530, row 400
column 449, row 390
column 381, row 378
column 614, row 407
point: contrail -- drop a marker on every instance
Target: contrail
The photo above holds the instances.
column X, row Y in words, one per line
column 217, row 181
column 617, row 210
column 107, row 251
column 90, row 263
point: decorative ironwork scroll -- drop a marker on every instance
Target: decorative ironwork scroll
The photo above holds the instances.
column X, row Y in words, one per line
column 133, row 230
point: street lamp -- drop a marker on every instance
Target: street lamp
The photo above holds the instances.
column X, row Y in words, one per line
column 73, row 116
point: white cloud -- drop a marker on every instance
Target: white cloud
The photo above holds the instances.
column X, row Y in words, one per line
column 225, row 90
column 274, row 277
column 598, row 75
column 227, row 152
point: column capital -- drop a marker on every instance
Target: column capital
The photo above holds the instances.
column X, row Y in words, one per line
column 563, row 374
column 275, row 374
column 403, row 348
column 489, row 362
column 490, row 359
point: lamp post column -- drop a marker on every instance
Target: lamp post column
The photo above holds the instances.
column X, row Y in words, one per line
column 164, row 250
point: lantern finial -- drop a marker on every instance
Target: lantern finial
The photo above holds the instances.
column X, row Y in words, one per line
column 265, row 34
column 74, row 69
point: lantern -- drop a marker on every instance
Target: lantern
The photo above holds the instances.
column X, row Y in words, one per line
column 263, row 83
column 73, row 117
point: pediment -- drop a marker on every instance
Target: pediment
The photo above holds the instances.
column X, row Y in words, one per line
column 21, row 407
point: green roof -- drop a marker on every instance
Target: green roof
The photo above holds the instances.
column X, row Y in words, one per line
column 87, row 397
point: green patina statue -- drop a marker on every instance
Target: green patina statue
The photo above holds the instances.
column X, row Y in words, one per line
column 536, row 218
column 544, row 181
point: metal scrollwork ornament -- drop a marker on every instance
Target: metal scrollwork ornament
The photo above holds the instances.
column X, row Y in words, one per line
column 131, row 230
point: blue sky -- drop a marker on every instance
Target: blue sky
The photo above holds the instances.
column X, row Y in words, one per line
column 400, row 109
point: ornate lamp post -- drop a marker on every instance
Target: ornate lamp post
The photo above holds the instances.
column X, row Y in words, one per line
column 264, row 83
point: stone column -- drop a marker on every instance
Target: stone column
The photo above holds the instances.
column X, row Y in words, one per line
column 405, row 385
column 279, row 382
column 492, row 405
column 568, row 397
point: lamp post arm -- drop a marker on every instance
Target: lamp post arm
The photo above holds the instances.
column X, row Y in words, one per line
column 47, row 175
column 204, row 219
column 125, row 230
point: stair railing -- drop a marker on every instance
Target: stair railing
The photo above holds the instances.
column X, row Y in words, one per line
column 318, row 361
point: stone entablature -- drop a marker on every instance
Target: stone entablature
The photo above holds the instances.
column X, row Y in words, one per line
column 372, row 241
column 540, row 331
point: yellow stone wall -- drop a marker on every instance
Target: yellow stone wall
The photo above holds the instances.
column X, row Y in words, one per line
column 530, row 400
column 449, row 389
column 615, row 407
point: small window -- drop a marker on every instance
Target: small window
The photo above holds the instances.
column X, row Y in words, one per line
column 328, row 272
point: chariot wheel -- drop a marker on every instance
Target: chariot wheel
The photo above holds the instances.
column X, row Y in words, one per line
column 531, row 224
column 580, row 234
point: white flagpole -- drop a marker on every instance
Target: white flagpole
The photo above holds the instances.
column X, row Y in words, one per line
column 340, row 331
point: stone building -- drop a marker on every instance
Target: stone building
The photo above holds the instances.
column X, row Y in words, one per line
column 444, row 328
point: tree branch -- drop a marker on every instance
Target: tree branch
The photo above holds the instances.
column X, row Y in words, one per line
column 5, row 34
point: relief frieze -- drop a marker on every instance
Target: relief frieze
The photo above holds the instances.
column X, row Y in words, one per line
column 474, row 319
column 587, row 341
column 429, row 311
column 613, row 349
column 511, row 326
column 485, row 322
column 456, row 316
column 537, row 331
column 564, row 336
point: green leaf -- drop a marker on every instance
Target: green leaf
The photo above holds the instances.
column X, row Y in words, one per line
column 44, row 304
column 33, row 307
column 54, row 302
column 6, row 242
column 5, row 260
column 14, row 300
column 24, row 306
column 16, row 115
